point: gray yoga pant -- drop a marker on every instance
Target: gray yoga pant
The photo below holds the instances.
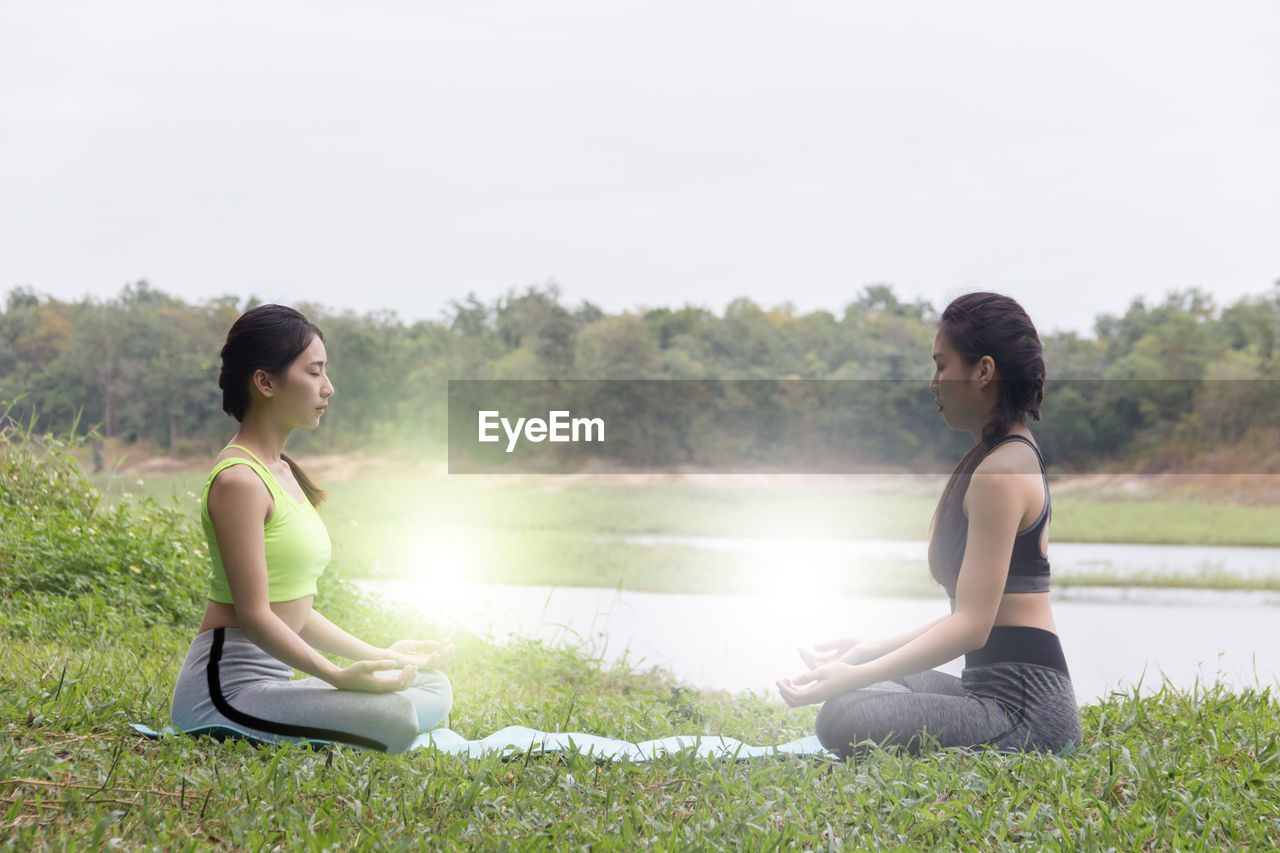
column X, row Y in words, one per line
column 230, row 685
column 1010, row 706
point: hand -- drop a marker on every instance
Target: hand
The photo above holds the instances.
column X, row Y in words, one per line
column 361, row 676
column 819, row 685
column 424, row 654
column 828, row 651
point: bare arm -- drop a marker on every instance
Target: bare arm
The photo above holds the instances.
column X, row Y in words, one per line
column 238, row 504
column 322, row 634
column 326, row 636
column 872, row 649
column 993, row 520
column 854, row 649
column 993, row 523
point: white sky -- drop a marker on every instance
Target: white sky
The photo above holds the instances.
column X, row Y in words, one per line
column 398, row 155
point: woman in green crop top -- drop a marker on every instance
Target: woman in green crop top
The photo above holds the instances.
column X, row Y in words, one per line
column 268, row 547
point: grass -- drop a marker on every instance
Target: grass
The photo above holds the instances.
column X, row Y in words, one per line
column 1194, row 770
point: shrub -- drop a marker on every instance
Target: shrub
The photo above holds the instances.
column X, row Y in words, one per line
column 58, row 537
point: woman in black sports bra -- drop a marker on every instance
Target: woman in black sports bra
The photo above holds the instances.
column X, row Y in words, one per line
column 987, row 550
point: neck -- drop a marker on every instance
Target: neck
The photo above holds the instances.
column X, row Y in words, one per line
column 1016, row 428
column 976, row 427
column 261, row 435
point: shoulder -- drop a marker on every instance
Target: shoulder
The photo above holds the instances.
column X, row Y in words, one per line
column 237, row 482
column 989, row 489
column 990, row 485
column 1012, row 457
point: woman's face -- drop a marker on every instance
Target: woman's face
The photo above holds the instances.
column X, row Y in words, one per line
column 958, row 388
column 305, row 390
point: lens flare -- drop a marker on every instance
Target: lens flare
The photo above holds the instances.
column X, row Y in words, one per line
column 442, row 564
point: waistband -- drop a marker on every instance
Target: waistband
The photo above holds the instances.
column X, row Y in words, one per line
column 1020, row 644
column 233, row 648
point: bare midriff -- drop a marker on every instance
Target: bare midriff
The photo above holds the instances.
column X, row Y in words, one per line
column 293, row 613
column 1026, row 608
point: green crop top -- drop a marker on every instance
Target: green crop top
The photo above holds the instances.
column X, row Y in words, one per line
column 297, row 543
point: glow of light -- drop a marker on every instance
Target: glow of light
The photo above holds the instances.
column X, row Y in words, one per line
column 441, row 564
column 792, row 571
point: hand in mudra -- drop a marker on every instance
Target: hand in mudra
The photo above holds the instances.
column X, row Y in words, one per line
column 362, row 675
column 424, row 654
column 818, row 685
column 849, row 649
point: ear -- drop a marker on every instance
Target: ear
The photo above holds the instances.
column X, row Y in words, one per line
column 263, row 382
column 986, row 371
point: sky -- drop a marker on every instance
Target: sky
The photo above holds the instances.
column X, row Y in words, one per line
column 397, row 156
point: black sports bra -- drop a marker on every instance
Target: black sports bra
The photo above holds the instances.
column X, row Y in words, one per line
column 1028, row 566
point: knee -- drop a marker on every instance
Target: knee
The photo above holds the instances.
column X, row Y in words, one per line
column 846, row 723
column 435, row 682
column 835, row 726
column 397, row 725
column 432, row 696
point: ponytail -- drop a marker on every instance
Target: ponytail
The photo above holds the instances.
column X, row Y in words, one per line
column 314, row 494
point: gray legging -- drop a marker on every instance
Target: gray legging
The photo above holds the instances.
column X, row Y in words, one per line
column 230, row 685
column 1009, row 705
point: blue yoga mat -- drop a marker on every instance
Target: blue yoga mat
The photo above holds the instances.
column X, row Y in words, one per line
column 520, row 739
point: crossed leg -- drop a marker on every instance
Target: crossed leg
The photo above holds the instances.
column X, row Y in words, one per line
column 908, row 712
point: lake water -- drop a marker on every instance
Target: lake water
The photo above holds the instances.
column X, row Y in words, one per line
column 1067, row 558
column 1114, row 638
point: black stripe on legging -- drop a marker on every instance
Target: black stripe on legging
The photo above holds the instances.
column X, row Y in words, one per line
column 224, row 707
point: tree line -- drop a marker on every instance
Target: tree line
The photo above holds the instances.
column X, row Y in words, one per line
column 1161, row 385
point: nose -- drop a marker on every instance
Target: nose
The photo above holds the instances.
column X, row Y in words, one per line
column 326, row 390
column 933, row 385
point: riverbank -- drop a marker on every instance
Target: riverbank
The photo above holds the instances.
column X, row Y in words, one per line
column 1195, row 769
column 1234, row 482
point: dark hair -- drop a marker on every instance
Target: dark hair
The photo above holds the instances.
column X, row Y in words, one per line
column 979, row 324
column 268, row 338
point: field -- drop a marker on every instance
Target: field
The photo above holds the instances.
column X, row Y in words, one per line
column 573, row 531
